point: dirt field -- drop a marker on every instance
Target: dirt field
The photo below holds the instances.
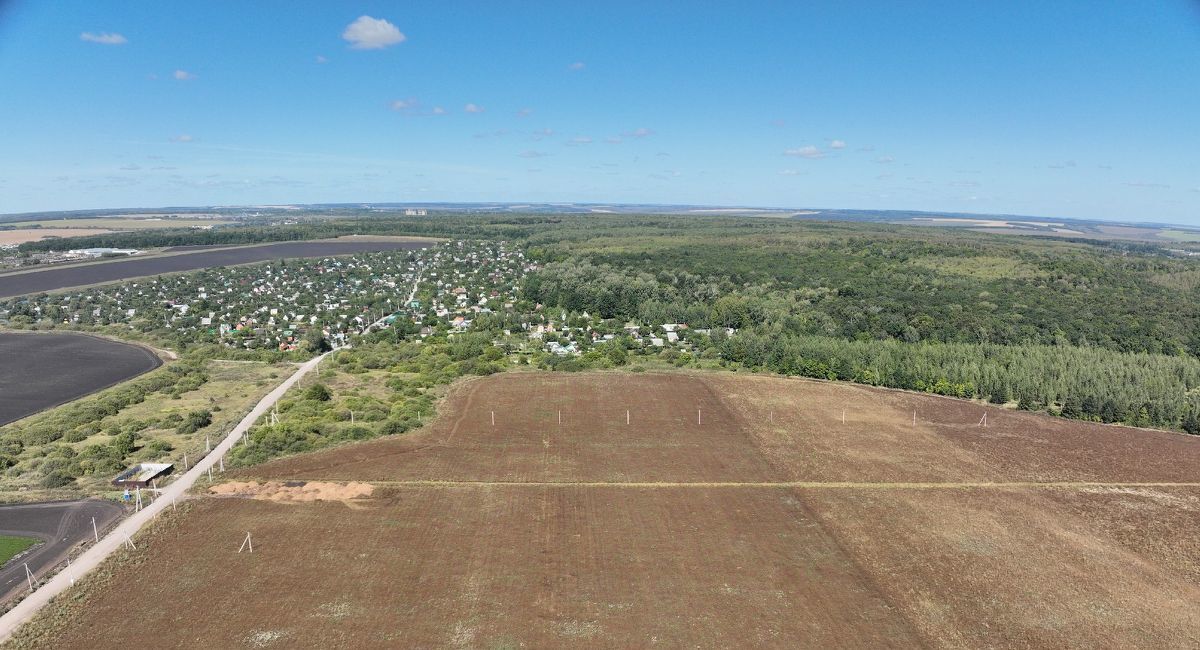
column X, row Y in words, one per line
column 36, row 234
column 760, row 520
column 47, row 369
column 62, row 277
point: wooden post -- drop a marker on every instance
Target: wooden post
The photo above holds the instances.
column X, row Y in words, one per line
column 493, row 418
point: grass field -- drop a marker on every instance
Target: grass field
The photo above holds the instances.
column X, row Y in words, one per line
column 714, row 510
column 10, row 546
column 1180, row 235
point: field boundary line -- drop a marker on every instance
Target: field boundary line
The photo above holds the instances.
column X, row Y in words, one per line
column 836, row 485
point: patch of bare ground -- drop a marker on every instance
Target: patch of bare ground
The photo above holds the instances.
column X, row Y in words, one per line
column 722, row 511
column 293, row 491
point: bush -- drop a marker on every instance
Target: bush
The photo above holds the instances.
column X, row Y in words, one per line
column 57, row 478
column 318, row 392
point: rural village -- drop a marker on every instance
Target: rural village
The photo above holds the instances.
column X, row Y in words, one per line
column 442, row 290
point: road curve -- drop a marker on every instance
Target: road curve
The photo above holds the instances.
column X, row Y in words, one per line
column 92, row 557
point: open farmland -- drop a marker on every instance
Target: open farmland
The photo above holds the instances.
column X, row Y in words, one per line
column 713, row 510
column 23, row 235
column 45, row 370
column 53, row 279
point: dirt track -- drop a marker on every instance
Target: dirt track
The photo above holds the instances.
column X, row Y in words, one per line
column 768, row 523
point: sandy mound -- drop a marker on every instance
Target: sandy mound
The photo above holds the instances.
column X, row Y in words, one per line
column 297, row 491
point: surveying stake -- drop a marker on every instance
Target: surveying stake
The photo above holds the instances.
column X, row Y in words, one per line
column 983, row 420
column 185, row 463
column 221, row 460
column 29, row 577
column 843, row 416
column 207, row 443
column 246, row 543
column 95, row 531
column 70, row 571
column 129, row 542
column 493, row 418
column 697, row 416
column 914, row 418
column 626, row 416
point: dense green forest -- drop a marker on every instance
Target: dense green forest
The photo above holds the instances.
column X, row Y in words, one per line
column 1100, row 330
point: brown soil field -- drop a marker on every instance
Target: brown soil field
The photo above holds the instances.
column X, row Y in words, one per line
column 765, row 522
column 22, row 235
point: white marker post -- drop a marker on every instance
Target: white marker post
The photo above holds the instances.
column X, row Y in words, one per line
column 560, row 416
column 70, row 571
column 843, row 416
column 129, row 542
column 983, row 420
column 185, row 463
column 627, row 416
column 207, row 443
column 29, row 577
column 914, row 418
column 210, row 473
column 493, row 418
column 95, row 531
column 697, row 416
column 246, row 542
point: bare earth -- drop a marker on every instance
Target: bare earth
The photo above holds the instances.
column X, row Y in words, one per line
column 761, row 520
column 22, row 235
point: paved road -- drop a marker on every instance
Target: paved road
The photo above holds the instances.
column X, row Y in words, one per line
column 92, row 557
column 61, row 525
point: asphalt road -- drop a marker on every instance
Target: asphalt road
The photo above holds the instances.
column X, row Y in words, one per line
column 38, row 371
column 61, row 525
column 54, row 278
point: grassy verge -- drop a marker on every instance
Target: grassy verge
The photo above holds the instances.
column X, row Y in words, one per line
column 11, row 546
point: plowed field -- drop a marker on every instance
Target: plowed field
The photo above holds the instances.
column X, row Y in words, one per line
column 665, row 510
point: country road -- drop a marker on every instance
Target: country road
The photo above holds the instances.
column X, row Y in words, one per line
column 92, row 557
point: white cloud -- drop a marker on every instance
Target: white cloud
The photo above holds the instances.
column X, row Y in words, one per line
column 104, row 38
column 321, row 59
column 837, row 144
column 473, row 108
column 531, row 154
column 578, row 65
column 1153, row 186
column 183, row 137
column 883, row 160
column 525, row 112
column 367, row 33
column 638, row 133
column 612, row 139
column 542, row 133
column 580, row 139
column 409, row 105
column 808, row 151
column 790, row 172
column 438, row 110
column 183, row 75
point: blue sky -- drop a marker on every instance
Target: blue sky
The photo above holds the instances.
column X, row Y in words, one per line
column 1071, row 109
